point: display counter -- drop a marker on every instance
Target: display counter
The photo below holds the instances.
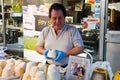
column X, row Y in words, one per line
column 34, row 67
column 113, row 49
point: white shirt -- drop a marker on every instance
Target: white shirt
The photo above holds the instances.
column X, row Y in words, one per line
column 68, row 38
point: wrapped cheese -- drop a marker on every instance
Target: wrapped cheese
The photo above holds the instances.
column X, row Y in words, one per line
column 33, row 70
column 2, row 63
column 20, row 69
column 40, row 75
column 53, row 73
column 26, row 76
column 11, row 61
column 10, row 66
column 29, row 66
column 42, row 67
column 7, row 72
column 17, row 62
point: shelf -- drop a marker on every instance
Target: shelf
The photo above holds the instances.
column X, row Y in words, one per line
column 5, row 12
column 89, row 41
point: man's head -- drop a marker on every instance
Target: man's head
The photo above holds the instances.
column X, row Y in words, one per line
column 57, row 14
column 57, row 6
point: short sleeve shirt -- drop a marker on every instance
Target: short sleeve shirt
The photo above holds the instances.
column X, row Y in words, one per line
column 68, row 38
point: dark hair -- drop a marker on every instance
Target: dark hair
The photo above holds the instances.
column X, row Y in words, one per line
column 57, row 6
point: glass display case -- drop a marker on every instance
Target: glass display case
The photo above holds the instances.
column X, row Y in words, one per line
column 11, row 33
column 74, row 10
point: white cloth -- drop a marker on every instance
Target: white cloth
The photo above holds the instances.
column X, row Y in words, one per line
column 101, row 64
column 2, row 53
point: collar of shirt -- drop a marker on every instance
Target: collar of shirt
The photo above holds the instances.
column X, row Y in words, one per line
column 61, row 30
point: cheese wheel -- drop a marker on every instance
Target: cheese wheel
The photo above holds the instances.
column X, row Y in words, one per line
column 17, row 62
column 2, row 63
column 7, row 72
column 20, row 69
column 40, row 75
column 10, row 65
column 29, row 66
column 42, row 67
column 33, row 71
column 11, row 61
column 53, row 73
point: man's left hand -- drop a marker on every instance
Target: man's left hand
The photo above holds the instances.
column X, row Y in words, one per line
column 60, row 55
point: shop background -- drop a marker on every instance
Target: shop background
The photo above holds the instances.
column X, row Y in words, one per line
column 35, row 18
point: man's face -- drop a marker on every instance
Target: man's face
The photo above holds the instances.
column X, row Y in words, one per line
column 75, row 65
column 57, row 19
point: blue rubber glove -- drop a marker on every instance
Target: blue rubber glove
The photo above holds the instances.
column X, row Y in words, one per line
column 60, row 55
column 45, row 53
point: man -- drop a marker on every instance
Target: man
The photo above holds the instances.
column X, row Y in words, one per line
column 65, row 39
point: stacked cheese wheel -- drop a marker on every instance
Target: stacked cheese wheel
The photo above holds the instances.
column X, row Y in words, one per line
column 11, row 68
column 53, row 73
column 35, row 72
column 40, row 72
column 28, row 70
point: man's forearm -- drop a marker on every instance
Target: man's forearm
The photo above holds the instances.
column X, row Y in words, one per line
column 39, row 49
column 75, row 51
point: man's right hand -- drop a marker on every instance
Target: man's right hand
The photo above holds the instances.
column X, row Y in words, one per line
column 45, row 53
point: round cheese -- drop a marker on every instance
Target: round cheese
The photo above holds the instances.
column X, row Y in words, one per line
column 42, row 67
column 51, row 54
